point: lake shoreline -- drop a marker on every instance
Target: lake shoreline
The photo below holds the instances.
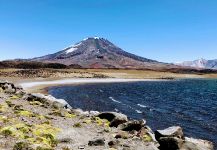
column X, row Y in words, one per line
column 42, row 86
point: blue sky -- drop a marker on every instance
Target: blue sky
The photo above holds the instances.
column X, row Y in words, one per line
column 164, row 30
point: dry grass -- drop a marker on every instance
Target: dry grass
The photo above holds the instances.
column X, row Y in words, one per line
column 110, row 73
column 145, row 74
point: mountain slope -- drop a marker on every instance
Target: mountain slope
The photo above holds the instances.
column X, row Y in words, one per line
column 200, row 63
column 98, row 52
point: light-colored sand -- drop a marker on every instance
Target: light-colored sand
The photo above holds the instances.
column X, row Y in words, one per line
column 28, row 85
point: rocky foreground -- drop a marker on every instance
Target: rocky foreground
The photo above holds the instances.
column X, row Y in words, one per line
column 41, row 122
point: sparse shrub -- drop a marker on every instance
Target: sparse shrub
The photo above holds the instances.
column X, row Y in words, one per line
column 77, row 125
column 6, row 132
column 18, row 108
column 43, row 148
column 56, row 113
column 9, row 103
column 65, row 148
column 22, row 146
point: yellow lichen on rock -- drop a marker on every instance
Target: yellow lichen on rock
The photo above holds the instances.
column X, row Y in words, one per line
column 3, row 107
column 35, row 103
column 147, row 138
column 45, row 134
column 14, row 97
column 102, row 122
column 18, row 130
column 69, row 115
column 87, row 121
column 26, row 113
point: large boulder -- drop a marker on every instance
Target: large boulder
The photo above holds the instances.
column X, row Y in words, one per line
column 115, row 118
column 170, row 138
column 173, row 138
column 48, row 99
column 196, row 144
column 10, row 88
column 170, row 143
column 133, row 125
column 175, row 131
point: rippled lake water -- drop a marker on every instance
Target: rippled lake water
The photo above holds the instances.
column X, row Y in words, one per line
column 191, row 104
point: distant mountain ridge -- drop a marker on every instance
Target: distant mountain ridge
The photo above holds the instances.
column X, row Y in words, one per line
column 200, row 63
column 96, row 52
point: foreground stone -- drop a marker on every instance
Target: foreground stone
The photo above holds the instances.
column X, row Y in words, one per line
column 10, row 88
column 174, row 131
column 58, row 103
column 114, row 118
column 196, row 144
column 173, row 138
column 133, row 125
column 97, row 142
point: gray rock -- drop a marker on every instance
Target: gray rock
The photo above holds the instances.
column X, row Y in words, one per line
column 133, row 125
column 47, row 99
column 174, row 131
column 170, row 143
column 197, row 144
column 113, row 144
column 114, row 118
column 173, row 139
column 81, row 147
column 151, row 146
column 97, row 142
column 10, row 88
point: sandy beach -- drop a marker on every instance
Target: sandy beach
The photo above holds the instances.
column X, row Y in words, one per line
column 35, row 86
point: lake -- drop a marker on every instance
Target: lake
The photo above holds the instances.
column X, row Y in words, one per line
column 191, row 103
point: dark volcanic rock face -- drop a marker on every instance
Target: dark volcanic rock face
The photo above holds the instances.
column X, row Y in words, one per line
column 98, row 53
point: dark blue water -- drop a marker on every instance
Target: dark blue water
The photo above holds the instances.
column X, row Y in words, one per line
column 191, row 104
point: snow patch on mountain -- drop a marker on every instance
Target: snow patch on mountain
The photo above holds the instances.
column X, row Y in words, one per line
column 72, row 48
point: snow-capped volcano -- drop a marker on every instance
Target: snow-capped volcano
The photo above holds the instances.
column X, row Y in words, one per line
column 96, row 52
